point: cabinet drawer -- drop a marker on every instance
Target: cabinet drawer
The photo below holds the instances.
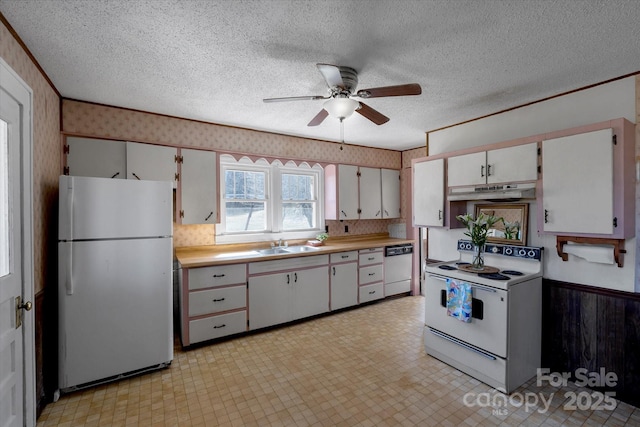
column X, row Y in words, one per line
column 208, row 277
column 370, row 274
column 217, row 300
column 369, row 258
column 371, row 292
column 344, row 257
column 217, row 326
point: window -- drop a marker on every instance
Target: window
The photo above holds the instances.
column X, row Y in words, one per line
column 263, row 201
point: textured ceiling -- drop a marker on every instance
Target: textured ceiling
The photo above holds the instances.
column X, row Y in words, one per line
column 216, row 60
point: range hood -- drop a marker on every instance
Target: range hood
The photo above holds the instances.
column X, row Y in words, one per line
column 494, row 192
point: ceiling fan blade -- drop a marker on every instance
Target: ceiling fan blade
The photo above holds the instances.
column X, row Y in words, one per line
column 331, row 74
column 319, row 118
column 371, row 114
column 399, row 90
column 295, row 98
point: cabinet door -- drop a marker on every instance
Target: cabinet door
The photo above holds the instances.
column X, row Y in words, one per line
column 198, row 184
column 97, row 157
column 344, row 285
column 428, row 193
column 390, row 193
column 311, row 292
column 577, row 183
column 370, row 194
column 270, row 300
column 151, row 162
column 468, row 169
column 513, row 164
column 347, row 192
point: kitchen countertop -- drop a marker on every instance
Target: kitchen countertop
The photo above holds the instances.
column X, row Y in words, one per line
column 203, row 256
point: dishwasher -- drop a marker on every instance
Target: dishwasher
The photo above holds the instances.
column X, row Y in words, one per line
column 397, row 269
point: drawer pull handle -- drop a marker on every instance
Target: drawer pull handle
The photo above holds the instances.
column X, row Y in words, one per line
column 344, row 256
column 372, row 292
column 372, row 274
column 334, row 271
column 218, row 299
column 371, row 258
column 218, row 275
column 219, row 326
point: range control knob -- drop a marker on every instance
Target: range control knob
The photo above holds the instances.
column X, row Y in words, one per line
column 508, row 251
column 531, row 254
column 522, row 252
column 494, row 249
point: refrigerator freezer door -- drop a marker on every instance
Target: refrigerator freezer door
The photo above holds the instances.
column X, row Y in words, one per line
column 102, row 208
column 118, row 318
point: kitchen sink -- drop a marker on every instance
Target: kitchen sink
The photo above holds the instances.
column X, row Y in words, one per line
column 273, row 251
column 297, row 249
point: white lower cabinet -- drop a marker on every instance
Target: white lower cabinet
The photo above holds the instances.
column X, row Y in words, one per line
column 299, row 289
column 213, row 302
column 344, row 280
column 209, row 328
column 370, row 274
column 371, row 292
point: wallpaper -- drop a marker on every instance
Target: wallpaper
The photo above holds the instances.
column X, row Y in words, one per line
column 46, row 158
column 86, row 119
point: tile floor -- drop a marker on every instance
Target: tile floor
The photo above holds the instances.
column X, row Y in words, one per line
column 362, row 367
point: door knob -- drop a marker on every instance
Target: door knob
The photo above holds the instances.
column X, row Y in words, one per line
column 27, row 306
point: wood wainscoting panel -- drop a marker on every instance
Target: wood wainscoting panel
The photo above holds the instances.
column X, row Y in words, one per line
column 593, row 329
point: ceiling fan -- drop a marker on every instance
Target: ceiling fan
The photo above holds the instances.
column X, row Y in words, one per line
column 342, row 82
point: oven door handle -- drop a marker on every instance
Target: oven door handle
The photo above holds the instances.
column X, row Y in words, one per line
column 473, row 285
column 463, row 344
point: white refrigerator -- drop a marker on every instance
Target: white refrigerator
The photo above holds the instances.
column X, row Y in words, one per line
column 115, row 251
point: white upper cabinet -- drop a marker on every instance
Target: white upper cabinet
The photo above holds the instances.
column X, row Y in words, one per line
column 151, row 162
column 96, row 157
column 370, row 194
column 198, row 187
column 390, row 193
column 504, row 165
column 341, row 192
column 361, row 193
column 588, row 181
column 577, row 184
column 467, row 169
column 513, row 164
column 428, row 193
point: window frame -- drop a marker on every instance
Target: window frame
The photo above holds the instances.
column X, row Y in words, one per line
column 273, row 199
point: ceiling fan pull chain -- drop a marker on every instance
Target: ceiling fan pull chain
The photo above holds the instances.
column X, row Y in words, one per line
column 342, row 133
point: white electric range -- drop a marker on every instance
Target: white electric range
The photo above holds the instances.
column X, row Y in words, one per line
column 500, row 344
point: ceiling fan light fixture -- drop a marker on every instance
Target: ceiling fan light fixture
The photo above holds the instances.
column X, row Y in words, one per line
column 341, row 108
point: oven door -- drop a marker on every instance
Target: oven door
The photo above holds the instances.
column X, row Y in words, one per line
column 488, row 327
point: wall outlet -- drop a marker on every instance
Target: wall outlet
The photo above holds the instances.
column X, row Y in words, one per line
column 346, row 228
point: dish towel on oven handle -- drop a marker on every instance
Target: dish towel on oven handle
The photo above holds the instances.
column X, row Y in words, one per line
column 459, row 299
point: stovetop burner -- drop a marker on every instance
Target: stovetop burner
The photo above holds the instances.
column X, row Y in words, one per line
column 494, row 276
column 447, row 267
column 512, row 272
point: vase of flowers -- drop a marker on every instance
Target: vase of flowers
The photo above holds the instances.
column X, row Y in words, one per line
column 477, row 230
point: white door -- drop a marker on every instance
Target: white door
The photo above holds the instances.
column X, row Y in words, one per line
column 311, row 292
column 17, row 395
column 577, row 183
column 513, row 164
column 390, row 193
column 428, row 193
column 270, row 299
column 97, row 157
column 347, row 192
column 198, row 187
column 344, row 285
column 370, row 194
column 151, row 162
column 468, row 169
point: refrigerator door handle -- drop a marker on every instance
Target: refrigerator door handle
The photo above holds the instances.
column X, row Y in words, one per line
column 68, row 274
column 70, row 206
